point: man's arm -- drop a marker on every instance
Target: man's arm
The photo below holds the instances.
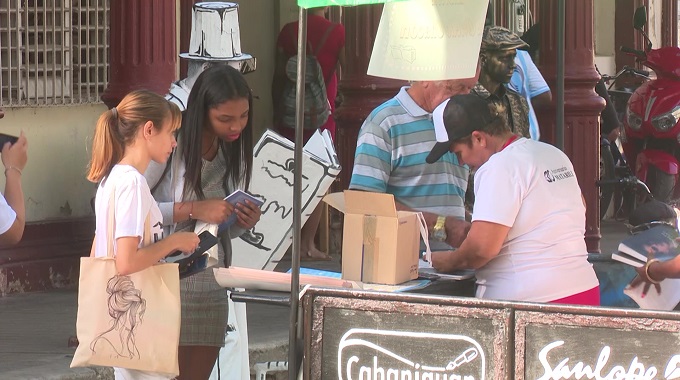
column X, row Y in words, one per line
column 14, row 158
column 542, row 100
column 483, row 243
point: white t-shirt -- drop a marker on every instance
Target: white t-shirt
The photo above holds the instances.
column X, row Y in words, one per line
column 133, row 203
column 7, row 215
column 531, row 187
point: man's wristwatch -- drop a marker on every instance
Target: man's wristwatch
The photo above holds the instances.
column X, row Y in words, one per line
column 439, row 230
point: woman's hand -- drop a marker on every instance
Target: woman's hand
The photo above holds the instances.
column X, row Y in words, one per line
column 644, row 276
column 15, row 155
column 185, row 241
column 441, row 261
column 213, row 211
column 247, row 214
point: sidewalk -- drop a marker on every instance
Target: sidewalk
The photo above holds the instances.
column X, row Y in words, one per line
column 35, row 328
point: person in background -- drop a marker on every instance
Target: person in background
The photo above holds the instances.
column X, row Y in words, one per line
column 12, row 207
column 528, row 82
column 329, row 39
column 127, row 137
column 526, row 239
column 213, row 158
column 390, row 158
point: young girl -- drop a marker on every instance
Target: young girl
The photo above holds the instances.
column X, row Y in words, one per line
column 126, row 139
column 213, row 158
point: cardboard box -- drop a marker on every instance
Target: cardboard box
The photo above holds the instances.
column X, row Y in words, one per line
column 379, row 244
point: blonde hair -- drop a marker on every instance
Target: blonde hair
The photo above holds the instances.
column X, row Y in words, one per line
column 117, row 128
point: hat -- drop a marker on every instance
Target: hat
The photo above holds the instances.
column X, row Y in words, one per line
column 499, row 38
column 458, row 117
column 215, row 34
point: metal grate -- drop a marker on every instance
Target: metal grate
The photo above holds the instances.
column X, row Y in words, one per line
column 53, row 51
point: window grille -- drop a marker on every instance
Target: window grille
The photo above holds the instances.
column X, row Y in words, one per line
column 53, row 51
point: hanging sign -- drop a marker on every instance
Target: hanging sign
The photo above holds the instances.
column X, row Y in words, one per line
column 323, row 3
column 428, row 40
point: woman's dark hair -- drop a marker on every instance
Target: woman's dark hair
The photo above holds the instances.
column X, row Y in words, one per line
column 213, row 87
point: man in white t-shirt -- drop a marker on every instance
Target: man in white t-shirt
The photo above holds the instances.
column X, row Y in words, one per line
column 527, row 235
column 12, row 208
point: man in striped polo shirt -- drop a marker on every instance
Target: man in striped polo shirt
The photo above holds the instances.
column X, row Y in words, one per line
column 390, row 158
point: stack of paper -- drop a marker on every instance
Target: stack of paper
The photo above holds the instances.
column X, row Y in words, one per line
column 658, row 243
column 255, row 279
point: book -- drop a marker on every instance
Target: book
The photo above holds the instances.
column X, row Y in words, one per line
column 237, row 197
column 660, row 242
column 198, row 260
column 624, row 258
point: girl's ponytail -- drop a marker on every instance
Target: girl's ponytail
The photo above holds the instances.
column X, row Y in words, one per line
column 107, row 147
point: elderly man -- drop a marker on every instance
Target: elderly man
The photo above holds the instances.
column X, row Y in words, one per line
column 497, row 58
column 390, row 158
column 526, row 239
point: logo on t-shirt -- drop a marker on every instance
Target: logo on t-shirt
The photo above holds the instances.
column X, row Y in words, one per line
column 554, row 175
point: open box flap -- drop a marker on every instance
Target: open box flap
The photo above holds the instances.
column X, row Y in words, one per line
column 362, row 202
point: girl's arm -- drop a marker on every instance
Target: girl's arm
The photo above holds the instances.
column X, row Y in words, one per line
column 131, row 259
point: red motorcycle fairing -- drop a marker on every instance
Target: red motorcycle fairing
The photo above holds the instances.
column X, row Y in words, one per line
column 652, row 99
column 665, row 62
column 661, row 160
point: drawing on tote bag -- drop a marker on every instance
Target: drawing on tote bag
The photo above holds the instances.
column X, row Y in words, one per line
column 126, row 308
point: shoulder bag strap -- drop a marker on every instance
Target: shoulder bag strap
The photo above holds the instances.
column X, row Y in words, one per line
column 323, row 39
column 293, row 37
column 322, row 42
column 111, row 220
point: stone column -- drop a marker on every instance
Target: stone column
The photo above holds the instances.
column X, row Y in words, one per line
column 142, row 51
column 582, row 106
column 361, row 92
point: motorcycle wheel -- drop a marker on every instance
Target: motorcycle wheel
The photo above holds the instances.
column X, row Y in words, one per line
column 606, row 172
column 661, row 184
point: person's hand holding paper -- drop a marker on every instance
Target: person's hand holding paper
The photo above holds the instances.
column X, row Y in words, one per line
column 213, row 211
column 246, row 210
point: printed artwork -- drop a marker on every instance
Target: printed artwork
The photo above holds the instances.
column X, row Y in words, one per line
column 272, row 182
column 126, row 309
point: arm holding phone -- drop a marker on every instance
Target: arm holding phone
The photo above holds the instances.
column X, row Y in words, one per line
column 14, row 157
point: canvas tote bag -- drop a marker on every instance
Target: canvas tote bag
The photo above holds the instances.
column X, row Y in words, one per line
column 127, row 321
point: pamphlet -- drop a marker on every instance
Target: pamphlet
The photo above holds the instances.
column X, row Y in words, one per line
column 658, row 241
column 653, row 300
column 198, row 261
column 237, row 197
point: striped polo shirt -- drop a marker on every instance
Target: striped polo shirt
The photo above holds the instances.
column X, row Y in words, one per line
column 390, row 158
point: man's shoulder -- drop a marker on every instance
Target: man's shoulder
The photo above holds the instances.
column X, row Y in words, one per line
column 386, row 110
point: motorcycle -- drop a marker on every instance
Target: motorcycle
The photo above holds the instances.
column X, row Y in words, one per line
column 651, row 135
